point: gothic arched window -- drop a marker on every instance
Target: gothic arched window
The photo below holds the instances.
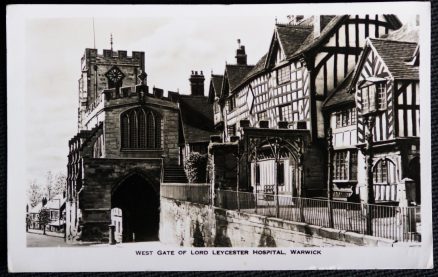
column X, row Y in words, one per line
column 384, row 172
column 140, row 129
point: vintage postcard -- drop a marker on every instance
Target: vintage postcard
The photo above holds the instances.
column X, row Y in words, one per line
column 217, row 137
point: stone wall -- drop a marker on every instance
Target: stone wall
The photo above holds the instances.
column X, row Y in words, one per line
column 102, row 177
column 169, row 128
column 181, row 222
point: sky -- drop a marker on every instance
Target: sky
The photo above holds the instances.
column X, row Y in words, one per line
column 175, row 43
column 173, row 48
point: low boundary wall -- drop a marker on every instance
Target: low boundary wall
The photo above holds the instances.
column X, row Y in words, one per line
column 190, row 224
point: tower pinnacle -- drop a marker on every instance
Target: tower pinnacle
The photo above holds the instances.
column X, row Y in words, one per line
column 111, row 41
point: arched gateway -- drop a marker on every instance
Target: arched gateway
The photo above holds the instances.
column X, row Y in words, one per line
column 139, row 203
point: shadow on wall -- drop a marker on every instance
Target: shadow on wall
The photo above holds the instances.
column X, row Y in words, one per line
column 221, row 239
column 266, row 239
column 198, row 239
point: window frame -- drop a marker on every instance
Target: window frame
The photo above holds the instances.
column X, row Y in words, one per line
column 374, row 95
column 383, row 165
column 142, row 141
column 283, row 75
column 344, row 166
column 346, row 118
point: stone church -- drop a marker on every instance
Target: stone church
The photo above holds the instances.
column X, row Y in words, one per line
column 130, row 137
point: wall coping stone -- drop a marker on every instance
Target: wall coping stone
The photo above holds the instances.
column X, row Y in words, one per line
column 301, row 228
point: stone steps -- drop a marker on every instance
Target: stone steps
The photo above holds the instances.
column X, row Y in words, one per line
column 174, row 174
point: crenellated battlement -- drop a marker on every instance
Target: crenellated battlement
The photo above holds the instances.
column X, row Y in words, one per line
column 108, row 53
column 138, row 92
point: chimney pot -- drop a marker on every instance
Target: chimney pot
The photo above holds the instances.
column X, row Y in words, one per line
column 241, row 56
column 197, row 84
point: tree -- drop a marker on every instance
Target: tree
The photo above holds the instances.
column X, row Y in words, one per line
column 34, row 193
column 60, row 183
column 196, row 167
column 55, row 184
column 44, row 219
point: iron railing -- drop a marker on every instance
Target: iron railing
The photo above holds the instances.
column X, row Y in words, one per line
column 392, row 222
column 196, row 193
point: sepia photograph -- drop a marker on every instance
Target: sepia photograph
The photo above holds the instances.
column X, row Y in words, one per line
column 190, row 132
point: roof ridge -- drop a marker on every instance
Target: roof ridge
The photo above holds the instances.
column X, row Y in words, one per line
column 393, row 40
column 242, row 65
column 301, row 26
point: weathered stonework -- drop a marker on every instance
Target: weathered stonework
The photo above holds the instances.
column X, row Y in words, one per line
column 226, row 228
column 98, row 164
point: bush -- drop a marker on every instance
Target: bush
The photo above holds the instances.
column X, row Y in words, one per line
column 196, row 167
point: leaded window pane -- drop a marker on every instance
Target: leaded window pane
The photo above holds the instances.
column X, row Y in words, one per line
column 151, row 131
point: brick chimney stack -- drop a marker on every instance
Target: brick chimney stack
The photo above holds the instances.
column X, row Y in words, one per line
column 240, row 54
column 197, row 83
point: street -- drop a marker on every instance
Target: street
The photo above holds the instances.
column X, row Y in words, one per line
column 40, row 240
column 35, row 239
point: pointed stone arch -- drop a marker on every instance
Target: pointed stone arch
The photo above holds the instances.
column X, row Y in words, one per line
column 138, row 199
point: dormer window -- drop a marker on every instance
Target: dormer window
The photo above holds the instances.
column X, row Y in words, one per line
column 373, row 95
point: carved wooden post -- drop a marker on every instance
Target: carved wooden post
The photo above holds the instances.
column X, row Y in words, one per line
column 255, row 173
column 301, row 174
column 369, row 122
column 330, row 177
column 238, row 180
column 276, row 153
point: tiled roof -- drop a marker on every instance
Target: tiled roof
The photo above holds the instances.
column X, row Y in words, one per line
column 328, row 25
column 407, row 32
column 196, row 118
column 324, row 20
column 340, row 95
column 56, row 202
column 395, row 55
column 216, row 81
column 260, row 65
column 236, row 74
column 295, row 41
column 291, row 37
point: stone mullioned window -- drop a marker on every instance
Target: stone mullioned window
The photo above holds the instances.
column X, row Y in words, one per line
column 140, row 129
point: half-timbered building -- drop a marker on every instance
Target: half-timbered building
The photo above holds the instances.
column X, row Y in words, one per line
column 273, row 110
column 387, row 92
